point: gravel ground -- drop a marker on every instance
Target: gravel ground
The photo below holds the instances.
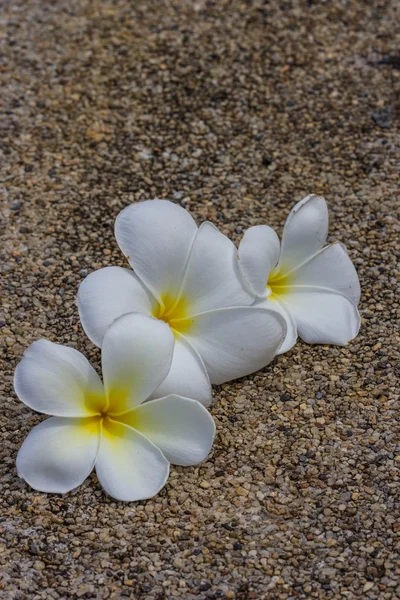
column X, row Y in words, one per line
column 236, row 110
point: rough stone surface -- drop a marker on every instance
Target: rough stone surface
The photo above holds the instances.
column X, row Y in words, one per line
column 235, row 109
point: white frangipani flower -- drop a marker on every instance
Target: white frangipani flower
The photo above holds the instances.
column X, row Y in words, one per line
column 109, row 426
column 189, row 278
column 315, row 288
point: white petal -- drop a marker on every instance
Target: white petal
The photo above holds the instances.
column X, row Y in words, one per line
column 188, row 376
column 331, row 268
column 182, row 428
column 273, row 303
column 59, row 454
column 107, row 294
column 258, row 254
column 129, row 466
column 136, row 357
column 58, row 380
column 304, row 233
column 323, row 316
column 234, row 342
column 212, row 278
column 156, row 236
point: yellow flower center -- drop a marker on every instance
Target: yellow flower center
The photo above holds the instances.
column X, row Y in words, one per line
column 174, row 313
column 109, row 411
column 277, row 283
column 94, row 402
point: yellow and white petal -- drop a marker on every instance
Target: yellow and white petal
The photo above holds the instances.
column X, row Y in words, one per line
column 330, row 268
column 107, row 294
column 188, row 376
column 136, row 357
column 234, row 342
column 304, row 232
column 59, row 454
column 58, row 380
column 129, row 466
column 323, row 316
column 156, row 236
column 278, row 305
column 181, row 427
column 212, row 279
column 258, row 255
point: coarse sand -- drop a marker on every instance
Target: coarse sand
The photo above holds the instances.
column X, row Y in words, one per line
column 236, row 110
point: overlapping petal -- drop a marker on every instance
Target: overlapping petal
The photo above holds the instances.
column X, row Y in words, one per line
column 212, row 279
column 234, row 342
column 188, row 376
column 59, row 454
column 136, row 357
column 323, row 316
column 330, row 268
column 107, row 294
column 156, row 236
column 259, row 254
column 277, row 304
column 304, row 232
column 129, row 466
column 182, row 428
column 58, row 380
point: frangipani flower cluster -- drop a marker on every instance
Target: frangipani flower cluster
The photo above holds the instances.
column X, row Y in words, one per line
column 193, row 311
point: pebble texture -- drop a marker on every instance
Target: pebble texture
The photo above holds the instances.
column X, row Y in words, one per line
column 235, row 109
